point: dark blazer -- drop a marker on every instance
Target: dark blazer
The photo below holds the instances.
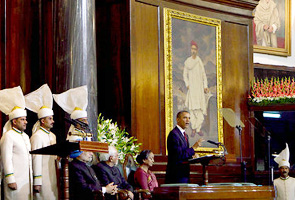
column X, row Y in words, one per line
column 178, row 152
column 83, row 181
column 107, row 174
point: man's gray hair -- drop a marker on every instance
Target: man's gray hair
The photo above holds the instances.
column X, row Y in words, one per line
column 106, row 156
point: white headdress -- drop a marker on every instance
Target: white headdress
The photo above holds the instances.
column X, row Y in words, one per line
column 40, row 101
column 283, row 158
column 12, row 103
column 73, row 101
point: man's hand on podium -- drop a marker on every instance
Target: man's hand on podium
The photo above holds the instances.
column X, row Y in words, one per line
column 198, row 143
column 195, row 155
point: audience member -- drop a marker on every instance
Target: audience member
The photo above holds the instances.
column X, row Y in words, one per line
column 143, row 177
column 83, row 181
column 107, row 172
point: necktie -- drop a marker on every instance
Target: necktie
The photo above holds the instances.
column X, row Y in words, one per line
column 185, row 136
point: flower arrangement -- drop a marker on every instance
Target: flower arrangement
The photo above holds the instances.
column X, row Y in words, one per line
column 273, row 91
column 110, row 133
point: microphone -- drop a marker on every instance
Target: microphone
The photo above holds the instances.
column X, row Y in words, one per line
column 212, row 142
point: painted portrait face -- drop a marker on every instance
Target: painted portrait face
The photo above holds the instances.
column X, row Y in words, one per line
column 194, row 50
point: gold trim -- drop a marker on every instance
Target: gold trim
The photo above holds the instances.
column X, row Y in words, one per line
column 168, row 15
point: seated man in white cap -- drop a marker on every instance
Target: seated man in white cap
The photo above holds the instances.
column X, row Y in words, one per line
column 15, row 146
column 83, row 181
column 74, row 101
column 284, row 185
column 44, row 171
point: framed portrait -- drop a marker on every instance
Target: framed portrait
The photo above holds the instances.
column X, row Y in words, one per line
column 272, row 27
column 193, row 76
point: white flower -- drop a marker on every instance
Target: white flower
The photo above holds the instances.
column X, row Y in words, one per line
column 112, row 126
column 113, row 132
column 110, row 133
column 132, row 148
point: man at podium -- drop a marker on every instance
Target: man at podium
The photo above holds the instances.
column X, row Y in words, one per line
column 179, row 152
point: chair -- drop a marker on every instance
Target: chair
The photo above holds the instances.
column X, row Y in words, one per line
column 129, row 168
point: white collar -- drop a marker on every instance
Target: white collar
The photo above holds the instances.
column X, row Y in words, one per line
column 284, row 178
column 181, row 129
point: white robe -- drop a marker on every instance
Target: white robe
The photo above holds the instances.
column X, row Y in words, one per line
column 266, row 14
column 16, row 161
column 195, row 79
column 44, row 171
column 285, row 189
column 194, row 76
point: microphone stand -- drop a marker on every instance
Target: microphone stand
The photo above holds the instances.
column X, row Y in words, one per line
column 243, row 163
column 83, row 125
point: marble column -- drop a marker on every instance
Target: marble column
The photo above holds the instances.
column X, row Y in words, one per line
column 75, row 50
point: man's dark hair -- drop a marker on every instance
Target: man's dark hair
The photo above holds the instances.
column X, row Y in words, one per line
column 180, row 112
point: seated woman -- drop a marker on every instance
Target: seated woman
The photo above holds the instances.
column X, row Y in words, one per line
column 143, row 177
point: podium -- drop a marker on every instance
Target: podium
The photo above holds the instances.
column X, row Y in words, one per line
column 64, row 149
column 205, row 161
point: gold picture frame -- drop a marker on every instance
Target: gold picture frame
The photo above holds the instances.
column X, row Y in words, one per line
column 180, row 29
column 279, row 41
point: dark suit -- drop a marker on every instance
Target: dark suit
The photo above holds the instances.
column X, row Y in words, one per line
column 83, row 181
column 107, row 174
column 178, row 152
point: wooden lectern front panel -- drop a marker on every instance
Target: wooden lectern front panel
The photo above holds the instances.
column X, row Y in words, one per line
column 94, row 146
column 215, row 192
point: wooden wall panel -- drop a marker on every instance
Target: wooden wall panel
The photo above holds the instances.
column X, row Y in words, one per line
column 145, row 76
column 236, row 66
column 19, row 40
column 26, row 46
column 2, row 55
column 46, row 44
column 237, row 70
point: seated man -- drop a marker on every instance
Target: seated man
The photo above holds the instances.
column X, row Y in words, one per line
column 107, row 172
column 83, row 181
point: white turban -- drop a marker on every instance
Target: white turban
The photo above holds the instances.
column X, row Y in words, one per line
column 73, row 101
column 283, row 158
column 12, row 104
column 40, row 101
